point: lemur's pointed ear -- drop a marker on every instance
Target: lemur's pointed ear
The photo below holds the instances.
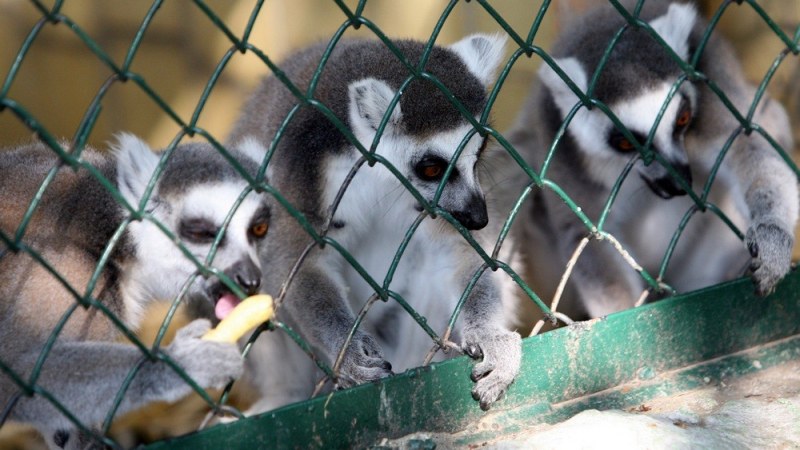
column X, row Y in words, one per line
column 482, row 54
column 369, row 100
column 250, row 147
column 563, row 96
column 675, row 27
column 136, row 163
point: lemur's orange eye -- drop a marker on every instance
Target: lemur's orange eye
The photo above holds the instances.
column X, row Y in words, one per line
column 259, row 229
column 683, row 118
column 618, row 142
column 432, row 168
column 432, row 171
column 625, row 145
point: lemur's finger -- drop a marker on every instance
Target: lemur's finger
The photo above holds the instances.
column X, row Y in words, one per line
column 194, row 329
column 481, row 370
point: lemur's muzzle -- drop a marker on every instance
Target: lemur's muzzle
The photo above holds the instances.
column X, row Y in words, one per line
column 665, row 186
column 247, row 275
column 474, row 215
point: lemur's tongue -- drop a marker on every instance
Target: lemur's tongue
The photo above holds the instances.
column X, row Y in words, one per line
column 225, row 305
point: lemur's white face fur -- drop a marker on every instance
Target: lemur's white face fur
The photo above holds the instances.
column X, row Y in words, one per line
column 424, row 160
column 195, row 216
column 603, row 145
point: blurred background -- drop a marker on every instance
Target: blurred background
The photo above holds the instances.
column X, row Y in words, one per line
column 60, row 76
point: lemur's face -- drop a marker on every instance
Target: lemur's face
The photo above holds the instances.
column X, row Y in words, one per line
column 202, row 220
column 639, row 114
column 199, row 218
column 423, row 160
column 641, row 78
column 609, row 150
column 461, row 196
column 216, row 224
column 606, row 148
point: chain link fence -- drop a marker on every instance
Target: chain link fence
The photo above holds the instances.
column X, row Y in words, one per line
column 122, row 70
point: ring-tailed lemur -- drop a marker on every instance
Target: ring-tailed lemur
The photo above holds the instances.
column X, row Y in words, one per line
column 70, row 229
column 754, row 186
column 310, row 164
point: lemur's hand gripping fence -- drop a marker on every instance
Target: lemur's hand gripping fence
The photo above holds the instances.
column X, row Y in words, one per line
column 370, row 425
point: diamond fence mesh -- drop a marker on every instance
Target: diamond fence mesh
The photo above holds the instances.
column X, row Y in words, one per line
column 523, row 45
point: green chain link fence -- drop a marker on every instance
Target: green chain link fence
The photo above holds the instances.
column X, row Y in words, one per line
column 523, row 46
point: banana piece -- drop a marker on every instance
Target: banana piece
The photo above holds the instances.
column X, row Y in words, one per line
column 248, row 314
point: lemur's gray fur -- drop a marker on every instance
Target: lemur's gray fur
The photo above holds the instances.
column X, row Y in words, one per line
column 755, row 188
column 70, row 229
column 308, row 167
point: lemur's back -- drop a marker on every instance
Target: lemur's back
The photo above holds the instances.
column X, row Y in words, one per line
column 22, row 172
column 67, row 235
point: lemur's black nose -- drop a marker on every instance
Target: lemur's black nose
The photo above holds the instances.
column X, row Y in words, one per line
column 666, row 186
column 686, row 172
column 247, row 274
column 474, row 215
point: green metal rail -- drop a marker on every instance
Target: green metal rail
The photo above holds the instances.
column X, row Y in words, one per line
column 655, row 350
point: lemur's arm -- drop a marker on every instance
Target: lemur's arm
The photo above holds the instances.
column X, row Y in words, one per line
column 85, row 377
column 770, row 190
column 768, row 184
column 319, row 310
column 486, row 337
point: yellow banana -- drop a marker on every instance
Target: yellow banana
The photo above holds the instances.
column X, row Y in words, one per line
column 251, row 312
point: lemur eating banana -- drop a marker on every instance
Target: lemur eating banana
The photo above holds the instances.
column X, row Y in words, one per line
column 70, row 229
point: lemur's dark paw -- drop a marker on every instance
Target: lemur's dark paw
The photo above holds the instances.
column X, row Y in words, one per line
column 770, row 246
column 501, row 353
column 363, row 362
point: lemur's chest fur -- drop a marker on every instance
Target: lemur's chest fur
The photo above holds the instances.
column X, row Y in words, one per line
column 373, row 221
